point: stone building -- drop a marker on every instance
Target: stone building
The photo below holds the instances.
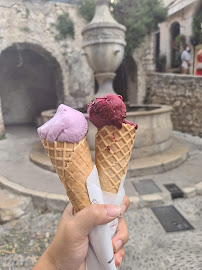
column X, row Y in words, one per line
column 38, row 71
column 179, row 22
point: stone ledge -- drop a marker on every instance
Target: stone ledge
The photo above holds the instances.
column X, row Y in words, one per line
column 43, row 200
column 199, row 188
column 58, row 202
column 159, row 163
column 151, row 200
column 13, row 206
column 189, row 192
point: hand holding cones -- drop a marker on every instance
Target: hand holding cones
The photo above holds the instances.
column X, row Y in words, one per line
column 64, row 140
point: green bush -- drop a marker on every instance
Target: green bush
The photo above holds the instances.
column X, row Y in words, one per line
column 3, row 137
column 87, row 9
column 64, row 27
column 196, row 38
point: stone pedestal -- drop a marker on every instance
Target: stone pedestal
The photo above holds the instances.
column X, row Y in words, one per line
column 2, row 128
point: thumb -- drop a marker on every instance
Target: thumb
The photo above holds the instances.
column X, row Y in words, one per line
column 93, row 215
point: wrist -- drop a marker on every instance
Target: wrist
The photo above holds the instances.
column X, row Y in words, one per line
column 45, row 263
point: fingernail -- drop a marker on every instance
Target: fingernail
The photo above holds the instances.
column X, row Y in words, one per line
column 113, row 210
column 123, row 209
column 120, row 260
column 118, row 245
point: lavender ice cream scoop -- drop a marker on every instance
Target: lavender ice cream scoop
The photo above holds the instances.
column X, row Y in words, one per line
column 67, row 125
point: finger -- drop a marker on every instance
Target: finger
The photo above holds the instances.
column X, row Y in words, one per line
column 119, row 256
column 121, row 236
column 67, row 215
column 125, row 204
column 93, row 215
column 68, row 210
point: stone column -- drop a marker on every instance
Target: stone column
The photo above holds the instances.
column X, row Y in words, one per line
column 2, row 128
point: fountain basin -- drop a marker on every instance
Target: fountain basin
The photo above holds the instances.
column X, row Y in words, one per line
column 154, row 134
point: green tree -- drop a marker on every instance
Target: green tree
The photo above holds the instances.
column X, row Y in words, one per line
column 87, row 9
column 140, row 17
column 196, row 25
column 64, row 27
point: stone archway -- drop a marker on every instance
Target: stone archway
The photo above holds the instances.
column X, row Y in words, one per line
column 30, row 82
column 174, row 32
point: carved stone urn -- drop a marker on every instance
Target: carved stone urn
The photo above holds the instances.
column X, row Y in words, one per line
column 103, row 44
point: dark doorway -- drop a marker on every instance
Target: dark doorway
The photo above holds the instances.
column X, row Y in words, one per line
column 175, row 53
column 157, row 48
column 29, row 82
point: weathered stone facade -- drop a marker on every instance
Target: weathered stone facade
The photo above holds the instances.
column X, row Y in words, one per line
column 184, row 94
column 31, row 24
column 178, row 12
column 144, row 59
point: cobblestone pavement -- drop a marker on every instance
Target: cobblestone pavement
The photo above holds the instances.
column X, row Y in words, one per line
column 22, row 241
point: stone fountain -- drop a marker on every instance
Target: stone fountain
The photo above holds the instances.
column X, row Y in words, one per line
column 103, row 43
column 154, row 150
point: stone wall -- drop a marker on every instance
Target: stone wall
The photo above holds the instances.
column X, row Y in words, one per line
column 144, row 59
column 32, row 23
column 184, row 94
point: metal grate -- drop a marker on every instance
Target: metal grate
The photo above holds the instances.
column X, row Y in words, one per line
column 175, row 191
column 171, row 219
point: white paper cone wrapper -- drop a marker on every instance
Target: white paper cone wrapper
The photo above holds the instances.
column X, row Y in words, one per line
column 100, row 253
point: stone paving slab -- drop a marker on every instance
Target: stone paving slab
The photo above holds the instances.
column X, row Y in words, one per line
column 149, row 246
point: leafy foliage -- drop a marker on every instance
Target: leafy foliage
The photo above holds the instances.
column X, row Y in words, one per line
column 139, row 16
column 87, row 9
column 179, row 42
column 196, row 38
column 2, row 137
column 64, row 26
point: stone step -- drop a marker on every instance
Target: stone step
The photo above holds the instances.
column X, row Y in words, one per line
column 13, row 206
column 157, row 163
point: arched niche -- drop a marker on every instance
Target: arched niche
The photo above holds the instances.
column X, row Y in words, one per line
column 30, row 82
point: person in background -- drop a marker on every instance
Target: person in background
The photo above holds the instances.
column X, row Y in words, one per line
column 185, row 58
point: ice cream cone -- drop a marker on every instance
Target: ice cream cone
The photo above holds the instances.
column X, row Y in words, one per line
column 73, row 164
column 113, row 149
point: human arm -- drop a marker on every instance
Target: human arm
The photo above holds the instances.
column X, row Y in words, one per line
column 69, row 247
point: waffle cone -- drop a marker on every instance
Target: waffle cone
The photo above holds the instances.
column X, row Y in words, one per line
column 73, row 164
column 113, row 149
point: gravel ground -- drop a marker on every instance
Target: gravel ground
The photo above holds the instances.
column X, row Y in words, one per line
column 22, row 241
